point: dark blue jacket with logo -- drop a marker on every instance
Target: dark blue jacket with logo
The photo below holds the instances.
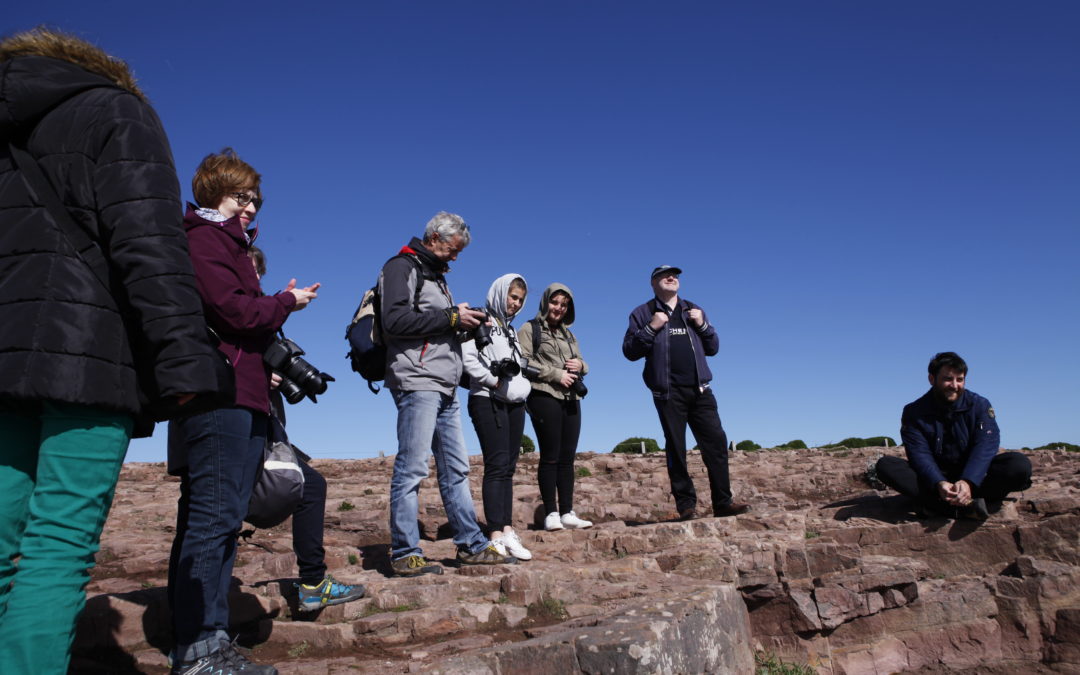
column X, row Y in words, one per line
column 922, row 428
column 642, row 341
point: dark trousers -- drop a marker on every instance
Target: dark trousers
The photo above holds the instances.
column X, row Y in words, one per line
column 557, row 423
column 307, row 527
column 690, row 405
column 1009, row 472
column 223, row 451
column 499, row 426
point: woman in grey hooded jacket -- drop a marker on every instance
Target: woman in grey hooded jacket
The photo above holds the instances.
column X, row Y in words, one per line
column 497, row 393
column 554, row 405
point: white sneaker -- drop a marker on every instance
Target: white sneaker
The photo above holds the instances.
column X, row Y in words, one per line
column 500, row 546
column 514, row 546
column 571, row 521
column 552, row 522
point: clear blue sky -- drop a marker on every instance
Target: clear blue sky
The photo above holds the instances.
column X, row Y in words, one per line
column 850, row 187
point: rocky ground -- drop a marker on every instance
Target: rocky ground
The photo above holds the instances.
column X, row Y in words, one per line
column 823, row 571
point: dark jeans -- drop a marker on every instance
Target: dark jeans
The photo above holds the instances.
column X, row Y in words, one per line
column 1008, row 472
column 557, row 424
column 698, row 408
column 307, row 527
column 223, row 450
column 499, row 426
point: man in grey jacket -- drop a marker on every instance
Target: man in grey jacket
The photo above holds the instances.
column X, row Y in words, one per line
column 421, row 327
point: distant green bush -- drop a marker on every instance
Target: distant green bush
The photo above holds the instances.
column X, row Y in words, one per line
column 633, row 445
column 747, row 446
column 792, row 445
column 582, row 472
column 872, row 442
column 527, row 444
column 1054, row 446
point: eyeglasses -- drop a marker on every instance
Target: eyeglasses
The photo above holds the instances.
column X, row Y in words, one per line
column 243, row 199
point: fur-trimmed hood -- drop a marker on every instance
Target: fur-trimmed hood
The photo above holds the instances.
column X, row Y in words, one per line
column 40, row 69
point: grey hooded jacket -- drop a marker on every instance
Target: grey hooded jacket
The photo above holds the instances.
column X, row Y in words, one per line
column 504, row 344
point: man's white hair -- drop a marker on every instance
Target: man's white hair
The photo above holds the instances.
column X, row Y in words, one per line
column 447, row 226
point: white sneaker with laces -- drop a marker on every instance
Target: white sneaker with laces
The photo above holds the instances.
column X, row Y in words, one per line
column 514, row 546
column 571, row 521
column 552, row 522
column 500, row 546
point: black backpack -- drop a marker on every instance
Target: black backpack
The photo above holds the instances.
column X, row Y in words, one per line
column 367, row 351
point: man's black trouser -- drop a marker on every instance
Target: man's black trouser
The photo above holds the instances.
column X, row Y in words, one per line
column 689, row 405
column 1008, row 472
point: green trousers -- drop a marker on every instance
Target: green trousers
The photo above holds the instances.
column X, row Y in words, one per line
column 59, row 464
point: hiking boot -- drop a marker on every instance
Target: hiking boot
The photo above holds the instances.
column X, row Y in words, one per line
column 931, row 507
column 327, row 592
column 688, row 513
column 553, row 522
column 976, row 510
column 514, row 547
column 732, row 509
column 572, row 522
column 414, row 565
column 485, row 556
column 225, row 661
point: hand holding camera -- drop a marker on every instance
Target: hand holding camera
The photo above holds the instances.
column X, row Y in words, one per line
column 298, row 377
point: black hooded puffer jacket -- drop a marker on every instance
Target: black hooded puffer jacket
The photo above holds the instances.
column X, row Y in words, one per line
column 63, row 336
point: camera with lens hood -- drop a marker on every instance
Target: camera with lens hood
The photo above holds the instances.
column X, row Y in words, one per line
column 298, row 377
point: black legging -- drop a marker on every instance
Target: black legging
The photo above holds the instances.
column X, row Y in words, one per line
column 557, row 424
column 499, row 426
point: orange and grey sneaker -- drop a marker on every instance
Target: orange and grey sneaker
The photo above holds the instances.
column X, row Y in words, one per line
column 414, row 565
column 485, row 556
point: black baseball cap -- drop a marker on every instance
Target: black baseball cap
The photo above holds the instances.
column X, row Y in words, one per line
column 665, row 269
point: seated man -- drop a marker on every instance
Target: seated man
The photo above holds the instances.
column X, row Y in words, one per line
column 951, row 438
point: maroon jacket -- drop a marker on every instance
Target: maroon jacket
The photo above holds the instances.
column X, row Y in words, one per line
column 233, row 303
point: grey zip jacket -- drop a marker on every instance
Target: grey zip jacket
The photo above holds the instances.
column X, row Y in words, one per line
column 503, row 345
column 422, row 348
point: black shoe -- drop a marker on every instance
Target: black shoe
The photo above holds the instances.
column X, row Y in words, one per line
column 976, row 510
column 732, row 509
column 225, row 661
column 688, row 513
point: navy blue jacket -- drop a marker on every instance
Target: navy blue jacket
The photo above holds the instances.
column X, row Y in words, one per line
column 922, row 428
column 642, row 341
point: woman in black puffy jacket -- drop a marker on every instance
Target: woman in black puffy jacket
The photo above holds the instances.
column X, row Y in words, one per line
column 99, row 321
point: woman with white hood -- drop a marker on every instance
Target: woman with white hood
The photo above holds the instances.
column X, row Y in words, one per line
column 497, row 393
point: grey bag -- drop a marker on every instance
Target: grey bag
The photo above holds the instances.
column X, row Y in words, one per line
column 279, row 485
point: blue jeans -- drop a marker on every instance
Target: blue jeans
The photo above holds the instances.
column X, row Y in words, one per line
column 58, row 468
column 429, row 420
column 223, row 450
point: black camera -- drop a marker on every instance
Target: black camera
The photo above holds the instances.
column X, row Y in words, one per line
column 298, row 377
column 482, row 333
column 578, row 386
column 505, row 368
column 531, row 372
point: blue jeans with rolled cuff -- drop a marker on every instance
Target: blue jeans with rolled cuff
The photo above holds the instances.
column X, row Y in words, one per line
column 223, row 449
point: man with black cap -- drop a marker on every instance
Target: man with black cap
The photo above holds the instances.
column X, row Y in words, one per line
column 675, row 336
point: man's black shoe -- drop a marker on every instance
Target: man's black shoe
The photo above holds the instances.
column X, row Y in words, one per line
column 976, row 510
column 732, row 509
column 688, row 513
